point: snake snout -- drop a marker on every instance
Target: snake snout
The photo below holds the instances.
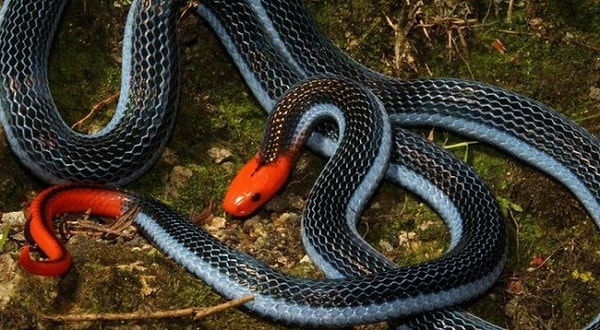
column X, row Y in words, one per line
column 255, row 184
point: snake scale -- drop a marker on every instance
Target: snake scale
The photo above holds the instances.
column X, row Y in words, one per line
column 277, row 47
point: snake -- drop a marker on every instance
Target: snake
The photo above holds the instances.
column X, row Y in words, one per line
column 276, row 47
column 145, row 112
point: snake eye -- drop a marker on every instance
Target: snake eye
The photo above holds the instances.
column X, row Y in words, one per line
column 256, row 197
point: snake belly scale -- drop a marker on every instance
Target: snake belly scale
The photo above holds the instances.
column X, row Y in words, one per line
column 276, row 46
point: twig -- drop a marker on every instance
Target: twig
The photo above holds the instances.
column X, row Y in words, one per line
column 580, row 120
column 115, row 227
column 99, row 106
column 529, row 34
column 188, row 8
column 204, row 312
column 537, row 35
column 509, row 11
column 471, row 22
column 87, row 226
column 401, row 29
column 204, row 215
column 196, row 312
column 452, row 42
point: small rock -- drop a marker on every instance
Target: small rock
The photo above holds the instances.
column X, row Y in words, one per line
column 228, row 167
column 14, row 218
column 169, row 157
column 386, row 246
column 219, row 155
column 216, row 223
column 8, row 279
column 305, row 260
column 595, row 93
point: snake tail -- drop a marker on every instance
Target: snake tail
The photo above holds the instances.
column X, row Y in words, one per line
column 46, row 207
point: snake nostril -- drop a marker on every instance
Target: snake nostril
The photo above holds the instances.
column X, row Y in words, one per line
column 256, row 197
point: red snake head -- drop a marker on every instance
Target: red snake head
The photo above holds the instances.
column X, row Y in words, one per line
column 255, row 184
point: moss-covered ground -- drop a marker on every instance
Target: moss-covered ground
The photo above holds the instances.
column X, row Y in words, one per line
column 548, row 50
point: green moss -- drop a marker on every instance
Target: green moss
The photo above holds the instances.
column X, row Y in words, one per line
column 79, row 79
column 581, row 15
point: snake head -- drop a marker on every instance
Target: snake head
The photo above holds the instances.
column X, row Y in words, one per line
column 255, row 184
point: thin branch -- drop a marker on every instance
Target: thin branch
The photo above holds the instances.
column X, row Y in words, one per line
column 196, row 312
column 99, row 106
column 509, row 11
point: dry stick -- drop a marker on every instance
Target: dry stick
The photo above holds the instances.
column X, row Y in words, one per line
column 99, row 106
column 537, row 35
column 196, row 312
column 401, row 29
column 509, row 11
column 84, row 225
column 204, row 312
column 87, row 226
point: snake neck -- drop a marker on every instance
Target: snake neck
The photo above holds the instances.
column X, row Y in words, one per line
column 296, row 116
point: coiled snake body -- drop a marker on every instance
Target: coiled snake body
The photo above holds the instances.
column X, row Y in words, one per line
column 276, row 46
